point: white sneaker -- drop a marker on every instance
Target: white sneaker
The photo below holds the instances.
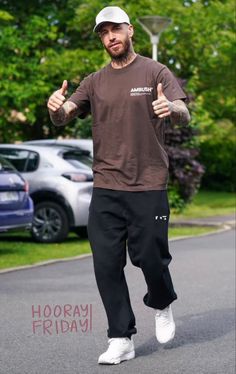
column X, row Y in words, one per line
column 120, row 349
column 165, row 325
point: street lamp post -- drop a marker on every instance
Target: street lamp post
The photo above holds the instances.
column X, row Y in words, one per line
column 154, row 25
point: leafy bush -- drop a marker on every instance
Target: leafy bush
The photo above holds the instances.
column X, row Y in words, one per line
column 176, row 203
column 185, row 171
column 218, row 154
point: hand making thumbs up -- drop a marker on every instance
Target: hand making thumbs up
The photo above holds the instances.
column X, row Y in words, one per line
column 63, row 88
column 56, row 100
column 162, row 106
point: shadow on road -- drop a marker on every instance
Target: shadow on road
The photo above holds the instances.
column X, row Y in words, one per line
column 194, row 328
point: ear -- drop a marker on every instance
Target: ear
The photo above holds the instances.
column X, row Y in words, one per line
column 130, row 31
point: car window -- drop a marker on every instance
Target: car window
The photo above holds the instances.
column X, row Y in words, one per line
column 80, row 159
column 33, row 161
column 5, row 165
column 23, row 160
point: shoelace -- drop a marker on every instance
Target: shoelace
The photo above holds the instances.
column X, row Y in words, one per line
column 117, row 340
column 163, row 316
column 163, row 312
column 114, row 346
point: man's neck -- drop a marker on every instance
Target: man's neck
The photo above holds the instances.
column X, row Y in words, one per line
column 119, row 64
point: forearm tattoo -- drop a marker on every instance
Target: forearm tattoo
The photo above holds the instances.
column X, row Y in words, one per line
column 64, row 115
column 179, row 113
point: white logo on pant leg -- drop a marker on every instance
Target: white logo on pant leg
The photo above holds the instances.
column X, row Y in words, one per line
column 162, row 218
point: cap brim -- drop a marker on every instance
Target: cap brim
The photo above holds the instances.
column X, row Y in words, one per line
column 97, row 27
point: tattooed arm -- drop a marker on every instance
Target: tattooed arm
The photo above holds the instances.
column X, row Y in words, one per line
column 176, row 110
column 179, row 113
column 64, row 114
column 61, row 112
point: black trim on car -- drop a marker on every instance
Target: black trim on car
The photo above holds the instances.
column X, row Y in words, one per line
column 51, row 195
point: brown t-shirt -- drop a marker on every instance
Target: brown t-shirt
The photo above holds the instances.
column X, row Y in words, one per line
column 128, row 138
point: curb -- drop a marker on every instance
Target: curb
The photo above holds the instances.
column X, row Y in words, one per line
column 45, row 263
column 223, row 228
column 205, row 224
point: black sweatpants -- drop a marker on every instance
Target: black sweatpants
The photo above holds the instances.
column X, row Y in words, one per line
column 140, row 221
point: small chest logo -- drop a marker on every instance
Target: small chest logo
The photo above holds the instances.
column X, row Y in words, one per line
column 140, row 91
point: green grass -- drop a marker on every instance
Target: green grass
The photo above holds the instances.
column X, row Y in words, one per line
column 189, row 231
column 209, row 203
column 17, row 249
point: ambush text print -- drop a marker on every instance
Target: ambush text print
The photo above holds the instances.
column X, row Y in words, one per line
column 140, row 91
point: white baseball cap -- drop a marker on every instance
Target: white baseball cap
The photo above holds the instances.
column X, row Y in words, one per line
column 112, row 14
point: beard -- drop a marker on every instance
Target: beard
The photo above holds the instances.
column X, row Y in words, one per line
column 121, row 56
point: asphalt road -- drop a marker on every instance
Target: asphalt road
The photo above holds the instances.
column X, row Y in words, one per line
column 203, row 274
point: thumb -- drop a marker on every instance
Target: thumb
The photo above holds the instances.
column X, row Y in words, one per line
column 159, row 90
column 64, row 87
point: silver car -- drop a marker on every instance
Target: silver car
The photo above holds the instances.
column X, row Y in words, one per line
column 60, row 184
column 86, row 144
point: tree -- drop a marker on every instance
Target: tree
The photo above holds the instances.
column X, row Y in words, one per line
column 37, row 49
column 42, row 43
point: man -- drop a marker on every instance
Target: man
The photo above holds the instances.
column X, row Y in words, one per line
column 129, row 100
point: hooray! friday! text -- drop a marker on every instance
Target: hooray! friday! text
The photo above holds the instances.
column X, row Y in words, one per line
column 60, row 319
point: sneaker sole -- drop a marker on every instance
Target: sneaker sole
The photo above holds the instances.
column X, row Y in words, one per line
column 125, row 357
column 167, row 341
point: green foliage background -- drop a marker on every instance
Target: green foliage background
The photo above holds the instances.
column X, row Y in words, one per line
column 42, row 43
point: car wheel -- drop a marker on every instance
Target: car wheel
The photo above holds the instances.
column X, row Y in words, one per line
column 50, row 223
column 82, row 232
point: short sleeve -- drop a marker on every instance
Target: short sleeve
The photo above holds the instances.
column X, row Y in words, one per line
column 171, row 87
column 81, row 97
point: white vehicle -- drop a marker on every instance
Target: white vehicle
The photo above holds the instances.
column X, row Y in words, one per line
column 60, row 184
column 86, row 144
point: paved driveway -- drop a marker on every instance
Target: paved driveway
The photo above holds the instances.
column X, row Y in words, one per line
column 203, row 275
